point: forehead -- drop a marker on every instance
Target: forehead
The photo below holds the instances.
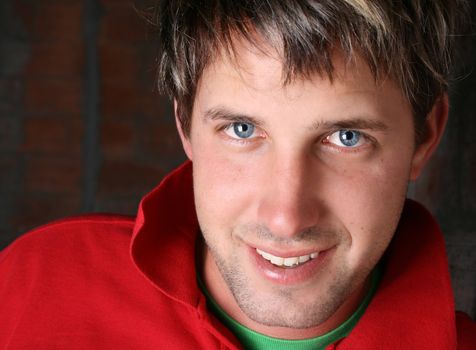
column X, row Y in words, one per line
column 259, row 71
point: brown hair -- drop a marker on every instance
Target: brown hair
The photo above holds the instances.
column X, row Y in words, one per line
column 411, row 41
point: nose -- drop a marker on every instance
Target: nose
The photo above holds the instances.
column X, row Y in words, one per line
column 289, row 204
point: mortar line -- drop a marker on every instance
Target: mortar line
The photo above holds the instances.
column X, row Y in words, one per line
column 91, row 100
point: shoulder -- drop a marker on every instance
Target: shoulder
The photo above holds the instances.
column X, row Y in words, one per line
column 70, row 229
column 75, row 278
column 67, row 241
column 466, row 329
column 80, row 223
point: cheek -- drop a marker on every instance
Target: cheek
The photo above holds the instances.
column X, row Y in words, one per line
column 368, row 203
column 223, row 187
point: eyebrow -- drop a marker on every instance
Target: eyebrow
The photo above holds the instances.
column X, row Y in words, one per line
column 358, row 123
column 352, row 124
column 221, row 113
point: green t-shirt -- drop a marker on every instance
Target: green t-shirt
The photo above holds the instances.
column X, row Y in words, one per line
column 257, row 341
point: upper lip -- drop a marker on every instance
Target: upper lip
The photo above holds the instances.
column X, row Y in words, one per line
column 286, row 253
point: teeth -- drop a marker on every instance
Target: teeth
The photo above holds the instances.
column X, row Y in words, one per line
column 276, row 260
column 291, row 261
column 288, row 262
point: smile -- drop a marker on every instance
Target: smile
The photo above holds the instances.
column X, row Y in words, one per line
column 293, row 261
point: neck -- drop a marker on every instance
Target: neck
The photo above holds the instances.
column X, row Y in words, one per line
column 222, row 295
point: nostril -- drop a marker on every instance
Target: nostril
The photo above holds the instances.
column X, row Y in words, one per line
column 287, row 220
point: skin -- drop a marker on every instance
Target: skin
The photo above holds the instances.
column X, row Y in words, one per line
column 292, row 187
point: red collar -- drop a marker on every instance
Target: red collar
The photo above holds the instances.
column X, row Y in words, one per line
column 164, row 236
column 412, row 309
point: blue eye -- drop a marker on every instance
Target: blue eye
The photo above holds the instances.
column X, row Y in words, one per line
column 349, row 138
column 243, row 130
column 346, row 138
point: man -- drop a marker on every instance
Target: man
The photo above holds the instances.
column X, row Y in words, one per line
column 304, row 122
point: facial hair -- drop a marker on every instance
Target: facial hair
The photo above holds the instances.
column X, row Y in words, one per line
column 296, row 307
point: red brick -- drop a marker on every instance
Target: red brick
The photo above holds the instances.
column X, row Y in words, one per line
column 53, row 96
column 160, row 139
column 119, row 204
column 117, row 138
column 119, row 62
column 120, row 99
column 55, row 60
column 129, row 99
column 26, row 11
column 148, row 68
column 35, row 209
column 59, row 21
column 122, row 23
column 130, row 3
column 53, row 175
column 53, row 135
column 127, row 178
column 152, row 104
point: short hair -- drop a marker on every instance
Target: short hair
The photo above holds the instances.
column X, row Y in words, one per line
column 409, row 41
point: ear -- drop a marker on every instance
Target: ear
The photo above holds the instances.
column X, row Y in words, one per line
column 435, row 126
column 186, row 142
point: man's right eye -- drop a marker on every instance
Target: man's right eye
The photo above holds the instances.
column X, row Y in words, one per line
column 240, row 130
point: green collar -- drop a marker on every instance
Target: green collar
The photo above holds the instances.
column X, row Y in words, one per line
column 256, row 341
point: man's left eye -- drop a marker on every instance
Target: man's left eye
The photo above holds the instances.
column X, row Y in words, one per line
column 346, row 138
column 240, row 130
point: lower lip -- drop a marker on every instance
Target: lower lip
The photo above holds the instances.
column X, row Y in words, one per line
column 288, row 276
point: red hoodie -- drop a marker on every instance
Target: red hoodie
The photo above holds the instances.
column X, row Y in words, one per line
column 112, row 282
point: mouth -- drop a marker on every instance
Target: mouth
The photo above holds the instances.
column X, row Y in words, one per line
column 290, row 268
column 287, row 262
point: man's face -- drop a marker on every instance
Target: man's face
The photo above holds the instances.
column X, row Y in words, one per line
column 298, row 188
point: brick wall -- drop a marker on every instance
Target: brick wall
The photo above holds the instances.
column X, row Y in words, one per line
column 138, row 142
column 82, row 128
column 40, row 110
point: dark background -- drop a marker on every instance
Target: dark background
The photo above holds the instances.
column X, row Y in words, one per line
column 83, row 129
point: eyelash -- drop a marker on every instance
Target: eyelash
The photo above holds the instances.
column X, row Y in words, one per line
column 369, row 141
column 224, row 127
